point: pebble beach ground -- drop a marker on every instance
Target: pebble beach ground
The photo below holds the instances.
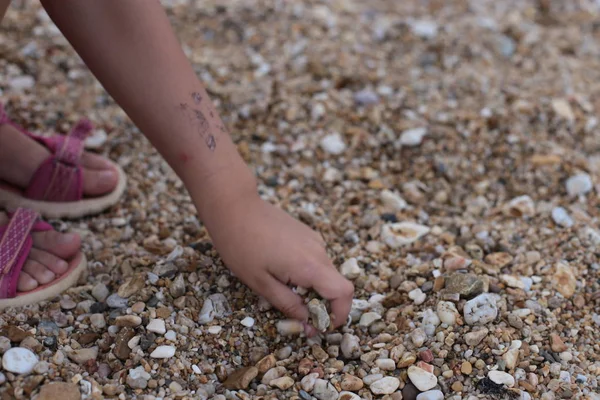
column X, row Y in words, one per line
column 449, row 152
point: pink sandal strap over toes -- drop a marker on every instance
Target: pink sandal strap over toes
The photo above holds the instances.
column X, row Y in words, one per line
column 60, row 177
column 15, row 244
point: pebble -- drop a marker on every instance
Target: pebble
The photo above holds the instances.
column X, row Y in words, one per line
column 21, row 83
column 417, row 296
column 474, row 338
column 386, row 385
column 19, row 360
column 59, row 390
column 171, row 335
column 350, row 346
column 481, row 310
column 425, row 29
column 157, row 325
column 578, row 185
column 501, row 378
column 418, row 337
column 430, row 322
column 318, row 315
column 385, row 364
column 100, row 292
column 308, row 382
column 350, row 269
column 289, row 327
column 561, row 217
column 116, row 301
column 128, row 320
column 82, row 356
column 431, row 395
column 393, row 200
column 557, row 344
column 413, row 137
column 324, row 390
column 366, row 97
column 521, row 206
column 466, row 368
column 248, row 322
column 368, row 318
column 67, row 303
column 422, row 379
column 177, row 288
column 163, row 352
column 333, row 144
column 95, row 141
column 351, row 383
column 447, row 312
column 47, row 328
column 215, row 329
column 564, row 280
column 240, row 379
column 466, row 285
column 402, row 233
column 283, row 383
column 349, row 396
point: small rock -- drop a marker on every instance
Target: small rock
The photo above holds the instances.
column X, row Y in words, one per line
column 48, row 328
column 564, row 280
column 386, row 385
column 324, row 390
column 82, row 356
column 128, row 320
column 431, row 395
column 248, row 322
column 19, row 360
column 579, row 185
column 402, row 233
column 59, row 390
column 272, row 374
column 240, row 379
column 385, row 364
column 333, row 144
column 308, row 382
column 116, row 301
column 366, row 97
column 417, row 296
column 157, row 326
column 121, row 349
column 368, row 318
column 94, row 141
column 425, row 29
column 350, row 269
column 481, row 310
column 349, row 396
column 21, row 83
column 556, row 343
column 413, row 137
column 522, row 206
column 422, row 379
column 177, row 288
column 430, row 322
column 163, row 352
column 283, row 383
column 466, row 285
column 474, row 338
column 501, row 378
column 561, row 217
column 393, row 200
column 318, row 315
column 563, row 109
column 351, row 383
column 510, row 358
column 350, row 346
column 418, row 337
column 67, row 303
column 447, row 312
column 171, row 335
column 466, row 368
column 289, row 327
column 133, row 285
column 98, row 321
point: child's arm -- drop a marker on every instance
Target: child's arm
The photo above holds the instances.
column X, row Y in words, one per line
column 131, row 49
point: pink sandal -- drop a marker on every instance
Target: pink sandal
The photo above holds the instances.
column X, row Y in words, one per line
column 56, row 188
column 15, row 244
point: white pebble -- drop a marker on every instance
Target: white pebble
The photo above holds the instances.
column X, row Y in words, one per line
column 171, row 335
column 163, row 352
column 248, row 322
column 19, row 360
column 481, row 310
column 393, row 200
column 425, row 29
column 157, row 325
column 214, row 330
column 413, row 137
column 501, row 378
column 430, row 322
column 350, row 269
column 387, row 385
column 417, row 296
column 561, row 217
column 333, row 144
column 402, row 233
column 423, row 380
column 447, row 312
column 431, row 395
column 579, row 184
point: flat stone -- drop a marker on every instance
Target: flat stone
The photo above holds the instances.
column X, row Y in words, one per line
column 19, row 360
column 386, row 385
column 474, row 338
column 466, row 285
column 240, row 379
column 283, row 383
column 501, row 378
column 422, row 379
column 82, row 356
column 133, row 285
column 163, row 352
column 59, row 391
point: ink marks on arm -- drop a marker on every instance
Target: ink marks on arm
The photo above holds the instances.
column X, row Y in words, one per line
column 199, row 123
column 197, row 97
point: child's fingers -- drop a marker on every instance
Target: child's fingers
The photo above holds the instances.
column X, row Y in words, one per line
column 283, row 298
column 331, row 285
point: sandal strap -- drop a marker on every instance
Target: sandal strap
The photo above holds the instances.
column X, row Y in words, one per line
column 15, row 244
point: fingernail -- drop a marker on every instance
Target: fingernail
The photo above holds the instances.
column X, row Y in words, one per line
column 67, row 238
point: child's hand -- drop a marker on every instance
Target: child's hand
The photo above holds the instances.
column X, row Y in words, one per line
column 268, row 250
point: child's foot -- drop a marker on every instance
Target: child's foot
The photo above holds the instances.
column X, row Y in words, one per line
column 47, row 258
column 20, row 156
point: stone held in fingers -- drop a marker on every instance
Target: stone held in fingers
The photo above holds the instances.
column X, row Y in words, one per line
column 319, row 315
column 289, row 327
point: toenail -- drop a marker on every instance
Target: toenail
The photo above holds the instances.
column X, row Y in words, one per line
column 107, row 176
column 62, row 264
column 67, row 238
